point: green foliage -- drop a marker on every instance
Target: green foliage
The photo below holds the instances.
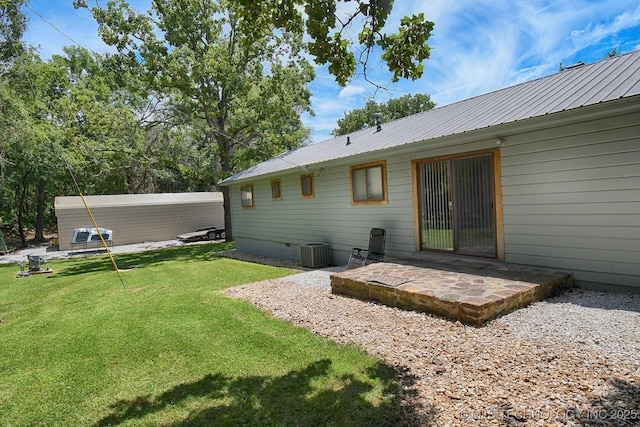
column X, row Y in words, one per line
column 239, row 89
column 72, row 117
column 200, row 90
column 405, row 51
column 394, row 109
column 33, row 88
column 330, row 37
column 13, row 24
column 172, row 350
column 101, row 130
column 230, row 81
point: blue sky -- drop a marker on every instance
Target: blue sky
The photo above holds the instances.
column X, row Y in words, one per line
column 477, row 47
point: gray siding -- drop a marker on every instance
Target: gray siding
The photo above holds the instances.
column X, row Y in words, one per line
column 278, row 228
column 146, row 222
column 570, row 175
column 571, row 198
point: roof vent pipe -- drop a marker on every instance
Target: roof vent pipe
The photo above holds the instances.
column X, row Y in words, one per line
column 378, row 117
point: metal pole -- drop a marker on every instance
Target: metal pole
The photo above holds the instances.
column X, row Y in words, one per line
column 104, row 243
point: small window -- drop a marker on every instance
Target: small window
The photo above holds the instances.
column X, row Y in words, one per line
column 246, row 196
column 276, row 189
column 369, row 183
column 306, row 185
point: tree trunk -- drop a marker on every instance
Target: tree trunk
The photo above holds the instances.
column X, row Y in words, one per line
column 228, row 233
column 23, row 237
column 20, row 202
column 226, row 171
column 40, row 211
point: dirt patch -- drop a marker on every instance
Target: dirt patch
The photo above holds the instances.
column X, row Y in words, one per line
column 14, row 243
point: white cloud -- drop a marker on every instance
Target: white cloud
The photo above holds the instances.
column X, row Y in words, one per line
column 592, row 33
column 351, row 91
column 477, row 48
column 328, row 106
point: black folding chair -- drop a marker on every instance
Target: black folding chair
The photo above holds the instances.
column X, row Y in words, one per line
column 375, row 252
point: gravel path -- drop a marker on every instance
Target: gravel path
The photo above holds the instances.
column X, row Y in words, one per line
column 572, row 360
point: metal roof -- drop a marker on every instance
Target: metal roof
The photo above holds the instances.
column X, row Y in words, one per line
column 575, row 87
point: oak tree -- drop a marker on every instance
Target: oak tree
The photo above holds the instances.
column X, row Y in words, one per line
column 243, row 89
column 29, row 161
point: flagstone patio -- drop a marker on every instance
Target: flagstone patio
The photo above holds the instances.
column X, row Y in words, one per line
column 471, row 292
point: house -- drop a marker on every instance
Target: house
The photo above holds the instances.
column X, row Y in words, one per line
column 138, row 218
column 544, row 173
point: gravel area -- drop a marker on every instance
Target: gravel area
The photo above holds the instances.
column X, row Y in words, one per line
column 571, row 360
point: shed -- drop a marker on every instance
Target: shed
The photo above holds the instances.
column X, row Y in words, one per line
column 544, row 173
column 137, row 218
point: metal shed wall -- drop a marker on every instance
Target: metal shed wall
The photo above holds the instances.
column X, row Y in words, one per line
column 137, row 218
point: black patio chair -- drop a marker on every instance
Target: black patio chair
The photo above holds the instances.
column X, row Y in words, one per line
column 375, row 253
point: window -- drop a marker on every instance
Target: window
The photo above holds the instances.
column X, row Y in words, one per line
column 276, row 189
column 246, row 196
column 369, row 183
column 306, row 186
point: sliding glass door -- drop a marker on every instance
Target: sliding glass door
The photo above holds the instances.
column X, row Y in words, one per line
column 457, row 208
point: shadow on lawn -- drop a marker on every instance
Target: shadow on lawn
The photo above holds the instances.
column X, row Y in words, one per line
column 289, row 400
column 189, row 253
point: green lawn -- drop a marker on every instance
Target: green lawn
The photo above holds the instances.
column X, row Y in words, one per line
column 77, row 349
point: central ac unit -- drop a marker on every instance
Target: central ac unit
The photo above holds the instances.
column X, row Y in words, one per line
column 315, row 255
